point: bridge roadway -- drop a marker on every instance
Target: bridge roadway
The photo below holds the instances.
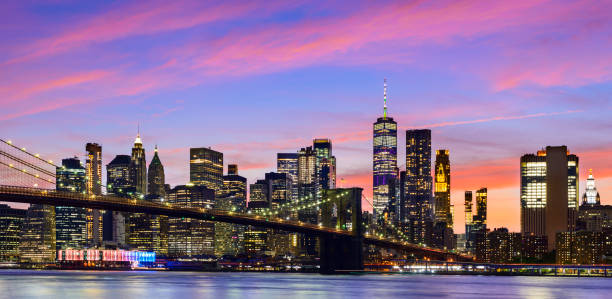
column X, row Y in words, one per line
column 111, row 203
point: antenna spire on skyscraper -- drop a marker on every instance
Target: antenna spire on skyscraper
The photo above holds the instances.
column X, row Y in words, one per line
column 385, row 99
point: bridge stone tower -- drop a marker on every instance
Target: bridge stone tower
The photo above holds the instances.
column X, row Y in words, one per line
column 341, row 211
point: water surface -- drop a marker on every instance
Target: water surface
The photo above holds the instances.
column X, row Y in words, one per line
column 115, row 285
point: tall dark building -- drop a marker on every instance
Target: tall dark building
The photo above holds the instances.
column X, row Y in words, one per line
column 138, row 167
column 94, row 186
column 469, row 242
column 549, row 193
column 442, row 189
column 288, row 163
column 11, row 224
column 190, row 237
column 478, row 233
column 418, row 186
column 157, row 193
column 206, row 168
column 156, row 178
column 384, row 160
column 71, row 222
column 118, row 183
column 307, row 193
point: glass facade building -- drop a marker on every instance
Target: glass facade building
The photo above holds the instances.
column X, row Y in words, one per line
column 93, row 168
column 71, row 222
column 418, row 186
column 206, row 168
column 385, row 172
column 11, row 224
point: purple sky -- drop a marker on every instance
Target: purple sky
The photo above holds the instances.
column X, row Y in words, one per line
column 492, row 79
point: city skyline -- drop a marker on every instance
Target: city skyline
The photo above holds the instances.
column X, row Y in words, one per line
column 513, row 98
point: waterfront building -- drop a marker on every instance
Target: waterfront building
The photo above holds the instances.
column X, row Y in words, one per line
column 502, row 247
column 418, row 186
column 549, row 193
column 71, row 222
column 279, row 242
column 384, row 160
column 583, row 247
column 118, row 183
column 187, row 236
column 93, row 167
column 206, row 168
column 534, row 247
column 594, row 218
column 288, row 163
column 11, row 224
column 37, row 243
column 229, row 238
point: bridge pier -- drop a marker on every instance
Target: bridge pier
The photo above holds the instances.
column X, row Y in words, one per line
column 339, row 254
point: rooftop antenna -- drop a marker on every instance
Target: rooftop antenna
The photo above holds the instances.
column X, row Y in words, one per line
column 385, row 98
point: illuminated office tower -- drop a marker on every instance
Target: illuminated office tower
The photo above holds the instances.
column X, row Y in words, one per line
column 279, row 190
column 187, row 236
column 143, row 229
column 11, row 224
column 549, row 193
column 384, row 160
column 479, row 225
column 325, row 164
column 469, row 243
column 591, row 196
column 38, row 235
column 288, row 163
column 206, row 168
column 307, row 193
column 418, row 186
column 93, row 170
column 229, row 238
column 118, row 183
column 71, row 222
column 442, row 188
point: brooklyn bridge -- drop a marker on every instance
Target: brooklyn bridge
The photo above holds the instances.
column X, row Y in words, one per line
column 27, row 178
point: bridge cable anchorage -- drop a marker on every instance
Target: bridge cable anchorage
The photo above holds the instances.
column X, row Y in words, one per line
column 9, row 143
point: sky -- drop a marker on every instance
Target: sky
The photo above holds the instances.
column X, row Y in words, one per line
column 493, row 80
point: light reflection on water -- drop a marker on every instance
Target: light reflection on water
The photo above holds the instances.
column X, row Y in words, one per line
column 153, row 285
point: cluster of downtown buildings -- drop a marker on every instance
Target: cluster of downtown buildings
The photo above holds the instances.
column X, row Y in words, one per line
column 416, row 200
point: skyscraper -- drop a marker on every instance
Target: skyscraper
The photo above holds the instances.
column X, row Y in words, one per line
column 94, row 186
column 229, row 238
column 418, row 185
column 11, row 224
column 157, row 193
column 288, row 163
column 156, row 178
column 591, row 196
column 118, row 184
column 37, row 243
column 71, row 222
column 442, row 188
column 549, row 193
column 384, row 160
column 206, row 168
column 188, row 236
column 143, row 229
column 479, row 225
column 469, row 242
column 325, row 163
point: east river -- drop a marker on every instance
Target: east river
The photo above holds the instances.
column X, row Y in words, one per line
column 184, row 285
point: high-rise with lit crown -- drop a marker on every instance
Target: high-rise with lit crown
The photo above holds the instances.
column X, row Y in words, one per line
column 288, row 163
column 549, row 193
column 442, row 188
column 591, row 196
column 384, row 159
